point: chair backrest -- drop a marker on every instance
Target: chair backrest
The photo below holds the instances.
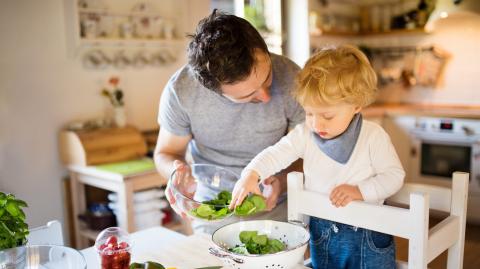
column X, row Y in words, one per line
column 50, row 234
column 410, row 223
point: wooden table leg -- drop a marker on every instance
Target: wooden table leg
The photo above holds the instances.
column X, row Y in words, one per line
column 78, row 207
column 125, row 211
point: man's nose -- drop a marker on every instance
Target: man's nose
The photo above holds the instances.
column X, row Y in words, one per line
column 264, row 95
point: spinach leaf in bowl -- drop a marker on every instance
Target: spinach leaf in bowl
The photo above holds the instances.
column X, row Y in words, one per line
column 251, row 205
column 218, row 208
column 254, row 243
column 214, row 209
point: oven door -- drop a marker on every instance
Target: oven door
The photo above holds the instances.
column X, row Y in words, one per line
column 434, row 159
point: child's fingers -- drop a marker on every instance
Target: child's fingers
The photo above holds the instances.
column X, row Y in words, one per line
column 240, row 198
column 337, row 196
column 341, row 200
column 237, row 198
column 346, row 201
column 333, row 193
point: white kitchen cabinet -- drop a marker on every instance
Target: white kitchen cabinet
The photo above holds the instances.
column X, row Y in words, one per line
column 401, row 140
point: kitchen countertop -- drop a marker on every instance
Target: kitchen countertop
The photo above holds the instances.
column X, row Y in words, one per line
column 453, row 111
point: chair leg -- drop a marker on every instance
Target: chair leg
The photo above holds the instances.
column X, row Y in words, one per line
column 418, row 242
column 458, row 208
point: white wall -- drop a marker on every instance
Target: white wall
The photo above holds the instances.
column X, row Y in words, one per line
column 461, row 84
column 41, row 89
column 460, row 36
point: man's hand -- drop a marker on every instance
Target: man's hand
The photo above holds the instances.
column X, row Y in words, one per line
column 344, row 194
column 248, row 183
column 183, row 181
column 271, row 191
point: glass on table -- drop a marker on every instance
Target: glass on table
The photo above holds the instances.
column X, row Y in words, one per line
column 42, row 256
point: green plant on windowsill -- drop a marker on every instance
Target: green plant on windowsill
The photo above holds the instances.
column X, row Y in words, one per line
column 13, row 229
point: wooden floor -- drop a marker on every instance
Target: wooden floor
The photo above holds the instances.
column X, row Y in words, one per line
column 472, row 249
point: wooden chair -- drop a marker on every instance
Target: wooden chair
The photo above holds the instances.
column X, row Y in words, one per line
column 50, row 234
column 411, row 223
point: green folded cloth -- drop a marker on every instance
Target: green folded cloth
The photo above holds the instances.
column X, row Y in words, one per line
column 129, row 167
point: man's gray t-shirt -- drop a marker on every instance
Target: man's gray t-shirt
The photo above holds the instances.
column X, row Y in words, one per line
column 225, row 133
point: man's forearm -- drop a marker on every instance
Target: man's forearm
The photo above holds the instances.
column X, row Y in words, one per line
column 164, row 163
column 282, row 175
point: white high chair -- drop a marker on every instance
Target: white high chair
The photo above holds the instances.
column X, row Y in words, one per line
column 50, row 234
column 424, row 244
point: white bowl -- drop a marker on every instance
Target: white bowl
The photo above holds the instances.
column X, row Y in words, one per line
column 293, row 235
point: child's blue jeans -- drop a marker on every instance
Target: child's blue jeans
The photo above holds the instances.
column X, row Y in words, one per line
column 339, row 246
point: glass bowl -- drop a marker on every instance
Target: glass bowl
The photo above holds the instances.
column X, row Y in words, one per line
column 194, row 189
column 42, row 256
column 113, row 246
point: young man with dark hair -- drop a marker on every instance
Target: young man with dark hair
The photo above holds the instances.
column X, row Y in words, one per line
column 232, row 100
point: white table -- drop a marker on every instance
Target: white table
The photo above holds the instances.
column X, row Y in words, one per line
column 167, row 247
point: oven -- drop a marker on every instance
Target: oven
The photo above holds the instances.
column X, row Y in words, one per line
column 440, row 146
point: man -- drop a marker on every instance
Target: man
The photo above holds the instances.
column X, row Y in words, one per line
column 227, row 104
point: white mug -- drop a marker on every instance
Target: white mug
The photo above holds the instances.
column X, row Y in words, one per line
column 168, row 30
column 89, row 29
column 126, row 30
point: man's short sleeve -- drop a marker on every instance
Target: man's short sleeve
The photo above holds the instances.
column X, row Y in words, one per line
column 172, row 115
column 295, row 113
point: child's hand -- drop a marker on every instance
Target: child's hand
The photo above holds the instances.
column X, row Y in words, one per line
column 271, row 191
column 245, row 185
column 344, row 194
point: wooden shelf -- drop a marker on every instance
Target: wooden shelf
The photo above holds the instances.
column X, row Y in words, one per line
column 118, row 14
column 360, row 34
column 115, row 42
column 107, row 22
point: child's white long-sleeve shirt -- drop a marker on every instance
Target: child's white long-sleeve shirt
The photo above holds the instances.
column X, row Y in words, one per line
column 374, row 165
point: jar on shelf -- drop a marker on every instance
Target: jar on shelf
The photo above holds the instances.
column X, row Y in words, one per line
column 126, row 30
column 89, row 29
column 386, row 17
column 375, row 16
column 364, row 19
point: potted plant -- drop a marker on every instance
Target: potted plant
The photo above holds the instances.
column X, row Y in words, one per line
column 115, row 96
column 13, row 230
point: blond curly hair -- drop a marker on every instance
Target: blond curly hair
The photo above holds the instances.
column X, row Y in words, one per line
column 335, row 75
